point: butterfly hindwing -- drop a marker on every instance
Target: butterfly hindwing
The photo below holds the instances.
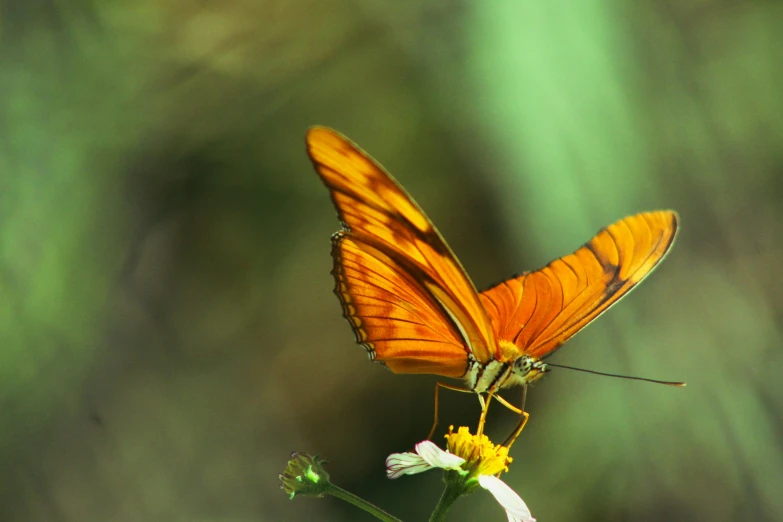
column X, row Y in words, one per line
column 392, row 314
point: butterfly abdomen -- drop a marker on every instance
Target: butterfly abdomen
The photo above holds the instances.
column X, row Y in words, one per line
column 482, row 377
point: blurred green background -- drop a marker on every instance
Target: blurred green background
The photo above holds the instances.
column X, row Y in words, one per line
column 168, row 333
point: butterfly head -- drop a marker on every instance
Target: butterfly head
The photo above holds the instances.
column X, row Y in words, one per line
column 526, row 370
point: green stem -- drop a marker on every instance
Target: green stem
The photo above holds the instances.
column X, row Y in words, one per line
column 450, row 495
column 349, row 497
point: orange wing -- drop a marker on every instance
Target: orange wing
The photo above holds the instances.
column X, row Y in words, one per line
column 539, row 311
column 402, row 289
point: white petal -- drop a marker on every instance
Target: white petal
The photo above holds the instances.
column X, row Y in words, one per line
column 515, row 507
column 437, row 457
column 399, row 464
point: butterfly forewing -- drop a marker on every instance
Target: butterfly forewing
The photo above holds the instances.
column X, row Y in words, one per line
column 390, row 258
column 539, row 311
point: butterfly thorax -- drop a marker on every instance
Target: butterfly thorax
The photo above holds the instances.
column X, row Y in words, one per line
column 511, row 370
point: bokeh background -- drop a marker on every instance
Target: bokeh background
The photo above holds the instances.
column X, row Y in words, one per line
column 168, row 333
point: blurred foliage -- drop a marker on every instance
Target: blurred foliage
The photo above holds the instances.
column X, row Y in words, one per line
column 168, row 333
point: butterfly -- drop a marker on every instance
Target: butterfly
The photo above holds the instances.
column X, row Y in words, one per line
column 413, row 307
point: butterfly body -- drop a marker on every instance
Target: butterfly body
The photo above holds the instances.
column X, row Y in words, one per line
column 415, row 310
column 498, row 374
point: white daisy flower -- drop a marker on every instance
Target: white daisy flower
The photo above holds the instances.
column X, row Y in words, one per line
column 476, row 461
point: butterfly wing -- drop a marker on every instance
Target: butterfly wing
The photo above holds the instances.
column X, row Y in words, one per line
column 539, row 311
column 408, row 299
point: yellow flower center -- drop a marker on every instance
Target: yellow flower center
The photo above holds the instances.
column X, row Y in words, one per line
column 482, row 456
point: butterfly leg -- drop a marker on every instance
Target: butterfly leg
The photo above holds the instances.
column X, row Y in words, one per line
column 525, row 416
column 484, row 411
column 511, row 438
column 508, row 405
column 438, row 386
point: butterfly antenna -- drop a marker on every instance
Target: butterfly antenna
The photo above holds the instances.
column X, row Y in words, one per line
column 667, row 383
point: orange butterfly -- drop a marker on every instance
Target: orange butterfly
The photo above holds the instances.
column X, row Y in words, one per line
column 413, row 307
